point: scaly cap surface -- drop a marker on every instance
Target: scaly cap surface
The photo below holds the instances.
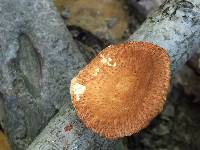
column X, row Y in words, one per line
column 122, row 89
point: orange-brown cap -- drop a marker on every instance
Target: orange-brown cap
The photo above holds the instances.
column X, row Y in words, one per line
column 121, row 90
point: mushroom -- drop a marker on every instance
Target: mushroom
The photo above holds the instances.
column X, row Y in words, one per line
column 122, row 89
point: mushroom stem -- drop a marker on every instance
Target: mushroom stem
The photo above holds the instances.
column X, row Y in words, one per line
column 174, row 27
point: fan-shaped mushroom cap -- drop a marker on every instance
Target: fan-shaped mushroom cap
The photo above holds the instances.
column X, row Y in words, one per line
column 121, row 90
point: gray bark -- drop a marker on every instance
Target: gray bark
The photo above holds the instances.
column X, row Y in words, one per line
column 65, row 131
column 175, row 27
